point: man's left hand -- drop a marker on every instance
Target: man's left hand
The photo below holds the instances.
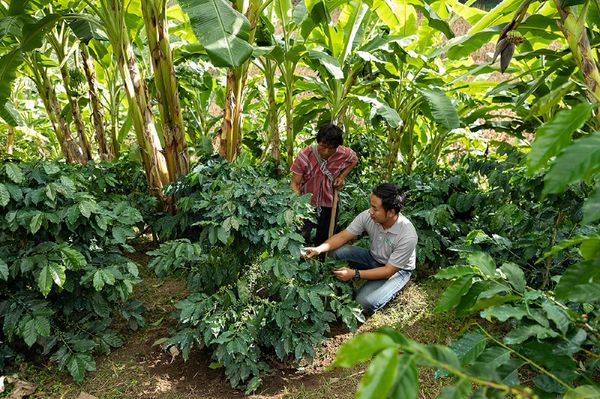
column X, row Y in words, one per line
column 344, row 274
column 338, row 182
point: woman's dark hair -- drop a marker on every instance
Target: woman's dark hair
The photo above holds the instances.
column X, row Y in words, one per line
column 391, row 196
column 329, row 134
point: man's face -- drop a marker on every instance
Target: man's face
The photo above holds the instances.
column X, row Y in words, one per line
column 377, row 213
column 326, row 150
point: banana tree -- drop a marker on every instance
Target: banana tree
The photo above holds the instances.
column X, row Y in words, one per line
column 112, row 17
column 285, row 57
column 26, row 32
column 39, row 74
column 157, row 34
column 61, row 41
column 97, row 114
column 226, row 30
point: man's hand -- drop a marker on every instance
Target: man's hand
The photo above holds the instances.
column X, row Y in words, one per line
column 309, row 252
column 344, row 274
column 338, row 182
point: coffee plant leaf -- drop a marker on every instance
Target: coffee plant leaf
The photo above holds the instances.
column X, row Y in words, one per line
column 591, row 206
column 573, row 164
column 86, row 208
column 557, row 315
column 484, row 262
column 380, row 375
column 14, row 173
column 42, row 326
column 515, row 276
column 73, row 258
column 590, row 249
column 469, row 346
column 436, row 356
column 453, row 294
column 505, row 312
column 30, row 333
column 564, row 244
column 524, row 332
column 362, row 348
column 407, row 379
column 4, row 195
column 78, row 364
column 555, row 135
column 490, row 359
column 452, row 272
column 36, row 222
column 3, row 270
column 580, row 282
column 583, row 392
column 51, row 273
column 462, row 389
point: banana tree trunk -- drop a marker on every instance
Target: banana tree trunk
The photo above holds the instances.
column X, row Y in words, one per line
column 71, row 151
column 573, row 27
column 97, row 116
column 155, row 20
column 147, row 136
column 289, row 124
column 394, row 139
column 112, row 13
column 114, row 107
column 273, row 119
column 10, row 140
column 231, row 129
column 77, row 119
column 230, row 138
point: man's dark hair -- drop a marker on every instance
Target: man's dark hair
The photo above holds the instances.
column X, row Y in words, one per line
column 329, row 134
column 391, row 196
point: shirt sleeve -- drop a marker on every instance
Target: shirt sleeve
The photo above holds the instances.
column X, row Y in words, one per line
column 357, row 226
column 404, row 255
column 300, row 164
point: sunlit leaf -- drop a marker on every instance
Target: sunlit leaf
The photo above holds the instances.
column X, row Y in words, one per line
column 555, row 135
column 575, row 163
column 362, row 348
column 380, row 375
column 222, row 30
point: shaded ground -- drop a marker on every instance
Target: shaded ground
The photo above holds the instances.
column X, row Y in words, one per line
column 141, row 369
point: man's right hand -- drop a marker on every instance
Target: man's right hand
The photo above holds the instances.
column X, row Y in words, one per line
column 310, row 252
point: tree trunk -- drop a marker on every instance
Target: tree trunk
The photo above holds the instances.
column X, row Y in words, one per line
column 273, row 117
column 97, row 116
column 71, row 151
column 155, row 20
column 394, row 139
column 147, row 136
column 231, row 129
column 575, row 32
column 77, row 119
column 10, row 140
column 229, row 143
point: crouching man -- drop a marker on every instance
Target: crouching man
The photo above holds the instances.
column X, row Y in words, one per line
column 386, row 267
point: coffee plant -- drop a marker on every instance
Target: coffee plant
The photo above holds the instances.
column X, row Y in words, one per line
column 63, row 275
column 253, row 300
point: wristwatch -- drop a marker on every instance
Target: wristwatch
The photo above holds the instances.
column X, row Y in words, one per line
column 356, row 274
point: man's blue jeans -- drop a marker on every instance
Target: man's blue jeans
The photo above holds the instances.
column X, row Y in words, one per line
column 373, row 294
